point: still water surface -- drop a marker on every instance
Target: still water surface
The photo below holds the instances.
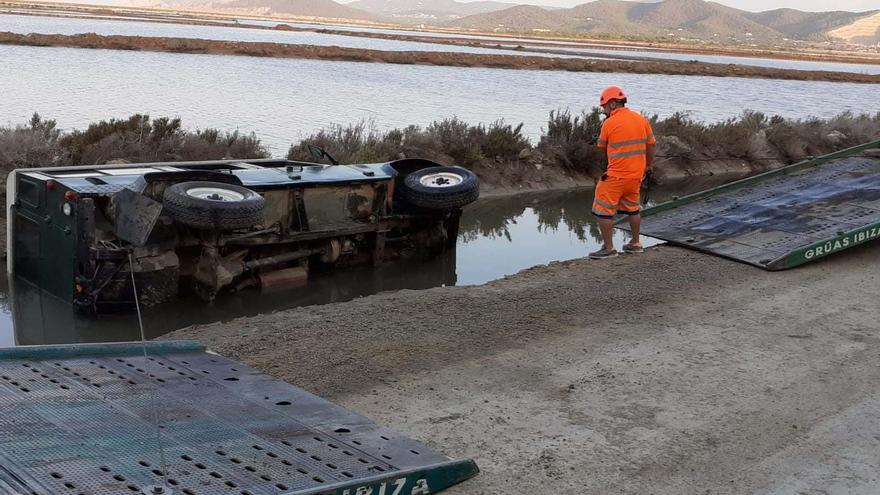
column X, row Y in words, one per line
column 284, row 100
column 722, row 59
column 499, row 236
column 120, row 26
column 67, row 26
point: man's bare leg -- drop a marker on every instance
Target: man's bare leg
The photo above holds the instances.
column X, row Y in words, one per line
column 635, row 223
column 605, row 227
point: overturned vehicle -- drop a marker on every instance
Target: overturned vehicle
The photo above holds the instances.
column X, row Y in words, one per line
column 95, row 235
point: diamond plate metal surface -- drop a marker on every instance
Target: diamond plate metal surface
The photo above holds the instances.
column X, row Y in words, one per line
column 84, row 187
column 766, row 220
column 85, row 425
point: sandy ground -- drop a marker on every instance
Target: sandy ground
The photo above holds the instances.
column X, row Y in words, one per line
column 671, row 372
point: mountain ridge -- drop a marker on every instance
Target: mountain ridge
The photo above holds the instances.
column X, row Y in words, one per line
column 428, row 9
column 680, row 18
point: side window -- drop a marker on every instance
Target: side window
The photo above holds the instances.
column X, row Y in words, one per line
column 29, row 193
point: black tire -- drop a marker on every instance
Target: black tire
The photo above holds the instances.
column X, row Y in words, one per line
column 425, row 188
column 241, row 209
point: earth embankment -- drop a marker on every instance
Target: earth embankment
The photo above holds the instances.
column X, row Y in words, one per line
column 335, row 53
column 671, row 372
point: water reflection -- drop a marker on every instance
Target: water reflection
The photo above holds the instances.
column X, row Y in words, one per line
column 30, row 316
column 499, row 236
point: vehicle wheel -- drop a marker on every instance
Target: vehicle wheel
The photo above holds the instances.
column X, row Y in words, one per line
column 441, row 188
column 213, row 205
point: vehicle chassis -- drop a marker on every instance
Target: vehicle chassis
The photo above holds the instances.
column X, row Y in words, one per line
column 85, row 234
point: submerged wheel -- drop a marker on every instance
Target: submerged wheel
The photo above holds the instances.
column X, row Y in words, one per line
column 441, row 188
column 213, row 205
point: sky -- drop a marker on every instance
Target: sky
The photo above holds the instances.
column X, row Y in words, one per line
column 753, row 5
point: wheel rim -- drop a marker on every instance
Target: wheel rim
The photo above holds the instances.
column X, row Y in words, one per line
column 214, row 194
column 441, row 179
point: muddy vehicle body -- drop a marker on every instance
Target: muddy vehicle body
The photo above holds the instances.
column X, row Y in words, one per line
column 93, row 235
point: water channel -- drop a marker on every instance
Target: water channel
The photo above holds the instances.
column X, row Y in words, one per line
column 67, row 26
column 285, row 100
column 131, row 27
column 499, row 236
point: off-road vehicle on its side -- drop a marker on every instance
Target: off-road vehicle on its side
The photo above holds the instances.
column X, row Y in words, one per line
column 80, row 233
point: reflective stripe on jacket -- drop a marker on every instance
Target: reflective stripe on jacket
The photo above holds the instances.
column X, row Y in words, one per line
column 626, row 136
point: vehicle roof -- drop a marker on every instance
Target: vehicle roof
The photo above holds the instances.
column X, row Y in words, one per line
column 107, row 179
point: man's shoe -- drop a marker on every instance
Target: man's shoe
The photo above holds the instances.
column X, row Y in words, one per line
column 602, row 254
column 633, row 248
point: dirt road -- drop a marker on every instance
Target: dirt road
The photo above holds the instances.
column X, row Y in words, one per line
column 667, row 373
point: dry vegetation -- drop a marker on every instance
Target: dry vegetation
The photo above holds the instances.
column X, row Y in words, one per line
column 568, row 142
column 499, row 150
column 138, row 138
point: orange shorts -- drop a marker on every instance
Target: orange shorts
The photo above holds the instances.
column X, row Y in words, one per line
column 615, row 195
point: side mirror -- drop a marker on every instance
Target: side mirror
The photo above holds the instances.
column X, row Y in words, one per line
column 319, row 154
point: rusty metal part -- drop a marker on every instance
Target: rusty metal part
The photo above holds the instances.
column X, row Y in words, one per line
column 281, row 258
column 287, row 278
column 332, row 252
column 213, row 272
column 379, row 249
column 275, row 229
column 134, row 216
column 390, row 223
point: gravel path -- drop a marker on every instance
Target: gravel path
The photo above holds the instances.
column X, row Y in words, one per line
column 672, row 372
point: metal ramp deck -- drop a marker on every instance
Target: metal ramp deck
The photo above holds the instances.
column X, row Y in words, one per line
column 79, row 420
column 782, row 218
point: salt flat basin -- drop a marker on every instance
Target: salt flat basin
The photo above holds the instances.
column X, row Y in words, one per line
column 109, row 27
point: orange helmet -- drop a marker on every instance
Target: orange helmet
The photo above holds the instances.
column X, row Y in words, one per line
column 611, row 93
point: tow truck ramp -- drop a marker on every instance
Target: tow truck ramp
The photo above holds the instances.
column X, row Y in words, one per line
column 782, row 218
column 81, row 420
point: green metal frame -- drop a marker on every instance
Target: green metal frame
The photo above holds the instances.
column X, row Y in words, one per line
column 430, row 479
column 824, row 248
column 69, row 351
column 806, row 254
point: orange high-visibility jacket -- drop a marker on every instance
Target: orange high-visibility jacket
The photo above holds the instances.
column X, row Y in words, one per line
column 626, row 135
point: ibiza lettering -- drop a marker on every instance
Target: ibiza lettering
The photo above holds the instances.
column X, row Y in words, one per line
column 395, row 487
column 836, row 245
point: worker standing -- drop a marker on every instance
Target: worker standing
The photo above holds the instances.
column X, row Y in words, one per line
column 629, row 141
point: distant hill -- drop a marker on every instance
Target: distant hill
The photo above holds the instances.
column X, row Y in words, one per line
column 427, row 9
column 536, row 18
column 699, row 19
column 682, row 18
column 865, row 30
column 305, row 8
column 803, row 25
column 692, row 19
